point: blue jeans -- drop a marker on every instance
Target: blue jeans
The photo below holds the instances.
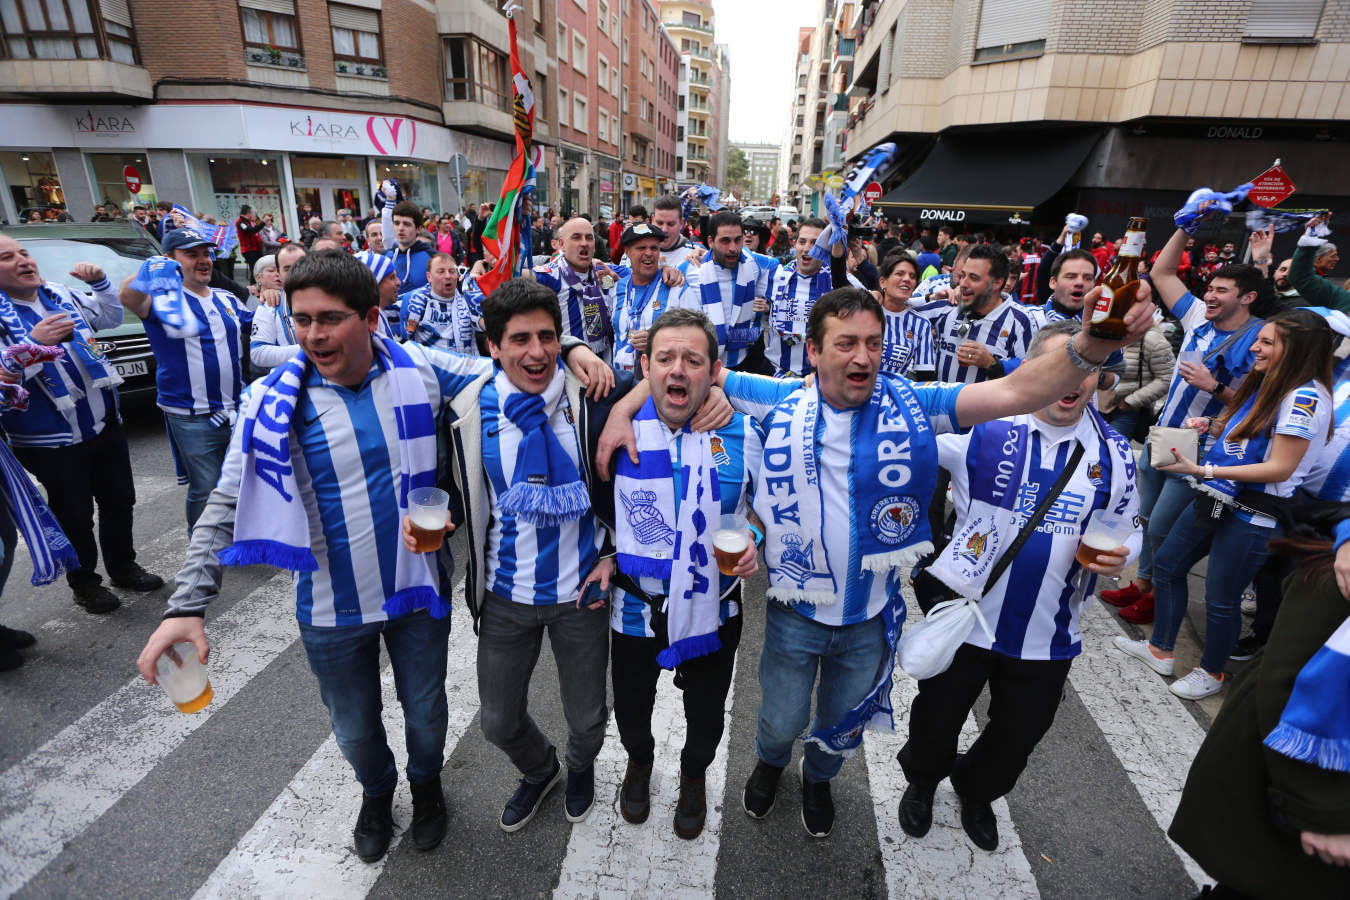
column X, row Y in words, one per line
column 1124, row 421
column 346, row 661
column 200, row 452
column 1162, row 497
column 795, row 647
column 1237, row 549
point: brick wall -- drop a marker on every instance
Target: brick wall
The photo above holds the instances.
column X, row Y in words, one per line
column 1098, row 28
column 922, row 40
column 213, row 46
column 412, row 49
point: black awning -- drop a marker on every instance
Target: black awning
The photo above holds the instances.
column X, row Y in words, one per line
column 991, row 176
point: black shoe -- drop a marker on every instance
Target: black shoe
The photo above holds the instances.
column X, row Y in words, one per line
column 1246, row 648
column 429, row 816
column 12, row 637
column 95, row 598
column 817, row 805
column 374, row 827
column 692, row 808
column 10, row 658
column 635, row 800
column 758, row 796
column 580, row 795
column 524, row 803
column 134, row 578
column 977, row 818
column 916, row 809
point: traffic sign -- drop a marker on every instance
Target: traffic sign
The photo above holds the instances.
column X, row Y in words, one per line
column 872, row 193
column 132, row 178
column 1271, row 188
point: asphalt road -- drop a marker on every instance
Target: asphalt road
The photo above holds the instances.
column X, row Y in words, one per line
column 106, row 791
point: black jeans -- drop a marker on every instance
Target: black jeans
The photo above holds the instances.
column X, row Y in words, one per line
column 704, row 682
column 76, row 477
column 250, row 259
column 1023, row 697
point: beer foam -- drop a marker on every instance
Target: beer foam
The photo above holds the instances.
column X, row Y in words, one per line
column 428, row 519
column 1100, row 540
column 730, row 541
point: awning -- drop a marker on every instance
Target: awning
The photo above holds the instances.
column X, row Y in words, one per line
column 991, row 177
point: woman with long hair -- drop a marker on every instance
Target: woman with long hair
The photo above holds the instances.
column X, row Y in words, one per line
column 1270, row 434
column 908, row 349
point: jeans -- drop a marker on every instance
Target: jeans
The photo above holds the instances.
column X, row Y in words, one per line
column 1124, row 421
column 201, row 448
column 1237, row 549
column 510, row 636
column 847, row 657
column 346, row 661
column 1161, row 499
column 96, row 471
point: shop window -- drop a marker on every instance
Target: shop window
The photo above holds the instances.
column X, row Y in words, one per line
column 223, row 183
column 108, row 174
column 417, row 179
column 67, row 29
column 33, row 184
column 356, row 36
column 474, row 71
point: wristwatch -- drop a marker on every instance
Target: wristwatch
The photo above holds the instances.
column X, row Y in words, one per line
column 1079, row 360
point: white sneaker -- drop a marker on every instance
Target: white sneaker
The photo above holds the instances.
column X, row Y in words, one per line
column 1249, row 606
column 1139, row 650
column 1197, row 685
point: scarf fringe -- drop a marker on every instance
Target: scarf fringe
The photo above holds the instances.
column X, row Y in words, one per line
column 639, row 566
column 1207, row 488
column 1324, row 752
column 411, row 599
column 544, row 506
column 692, row 647
column 902, row 558
column 63, row 561
column 797, row 595
column 269, row 553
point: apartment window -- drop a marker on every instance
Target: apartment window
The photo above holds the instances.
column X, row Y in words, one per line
column 539, row 17
column 356, row 34
column 1283, row 20
column 65, row 29
column 691, row 18
column 602, row 72
column 564, row 107
column 625, row 100
column 614, row 81
column 269, row 27
column 117, row 27
column 580, row 120
column 625, row 51
column 579, row 53
column 541, row 96
column 602, row 16
column 602, row 127
column 563, row 43
column 474, row 71
column 1011, row 29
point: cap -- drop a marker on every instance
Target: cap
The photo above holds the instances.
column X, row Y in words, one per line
column 183, row 239
column 638, row 232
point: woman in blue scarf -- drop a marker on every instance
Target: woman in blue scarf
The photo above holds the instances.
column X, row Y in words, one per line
column 1269, row 436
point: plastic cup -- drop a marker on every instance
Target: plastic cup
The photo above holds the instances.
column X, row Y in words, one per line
column 1195, row 357
column 426, row 508
column 183, row 677
column 1105, row 531
column 729, row 543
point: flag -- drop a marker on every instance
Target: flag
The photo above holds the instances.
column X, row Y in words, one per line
column 223, row 237
column 506, row 236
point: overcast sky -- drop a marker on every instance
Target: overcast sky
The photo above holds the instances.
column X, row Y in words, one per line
column 761, row 36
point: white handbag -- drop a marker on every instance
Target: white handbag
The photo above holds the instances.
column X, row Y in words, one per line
column 927, row 648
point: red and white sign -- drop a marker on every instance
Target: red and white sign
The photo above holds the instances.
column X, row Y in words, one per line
column 872, row 193
column 132, row 178
column 1271, row 188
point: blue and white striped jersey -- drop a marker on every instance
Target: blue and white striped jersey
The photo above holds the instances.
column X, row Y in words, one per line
column 1033, row 608
column 1007, row 331
column 1044, row 315
column 42, row 424
column 532, row 564
column 1187, row 402
column 1306, row 413
column 346, row 459
column 733, row 315
column 573, row 312
column 201, row 374
column 865, row 593
column 787, row 355
column 443, row 324
column 909, row 344
column 737, row 449
column 1329, row 478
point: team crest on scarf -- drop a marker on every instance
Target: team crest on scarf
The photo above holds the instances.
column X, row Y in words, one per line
column 976, row 540
column 1235, row 448
column 1094, row 474
column 894, row 518
column 798, row 562
column 649, row 526
column 719, row 452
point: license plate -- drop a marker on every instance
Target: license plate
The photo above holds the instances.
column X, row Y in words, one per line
column 128, row 369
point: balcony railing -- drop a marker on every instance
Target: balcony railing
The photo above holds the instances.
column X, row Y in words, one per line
column 368, row 70
column 282, row 59
column 706, row 29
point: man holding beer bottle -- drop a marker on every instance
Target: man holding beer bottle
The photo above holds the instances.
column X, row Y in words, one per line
column 1010, row 468
column 659, row 619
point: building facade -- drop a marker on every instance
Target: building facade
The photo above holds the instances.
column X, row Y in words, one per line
column 763, row 160
column 649, row 97
column 589, row 38
column 703, row 92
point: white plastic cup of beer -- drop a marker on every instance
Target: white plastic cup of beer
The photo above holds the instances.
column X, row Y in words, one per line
column 1194, row 357
column 183, row 677
column 730, row 541
column 1105, row 532
column 426, row 509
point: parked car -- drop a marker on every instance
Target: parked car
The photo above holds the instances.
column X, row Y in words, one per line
column 758, row 213
column 788, row 213
column 119, row 248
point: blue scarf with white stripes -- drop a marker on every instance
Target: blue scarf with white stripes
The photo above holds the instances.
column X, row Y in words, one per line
column 546, row 488
column 271, row 523
column 791, row 311
column 161, row 278
column 1315, row 724
column 635, row 309
column 52, row 552
column 731, row 335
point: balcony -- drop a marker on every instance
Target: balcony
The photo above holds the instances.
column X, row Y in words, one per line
column 75, row 79
column 702, row 29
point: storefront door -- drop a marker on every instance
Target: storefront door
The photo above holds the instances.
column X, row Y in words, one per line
column 326, row 196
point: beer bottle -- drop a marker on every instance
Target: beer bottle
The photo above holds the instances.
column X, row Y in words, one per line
column 1120, row 285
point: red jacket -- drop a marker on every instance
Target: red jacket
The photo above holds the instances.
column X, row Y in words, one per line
column 615, row 234
column 249, row 242
column 1104, row 254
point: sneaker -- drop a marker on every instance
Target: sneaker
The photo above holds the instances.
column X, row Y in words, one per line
column 374, row 827
column 12, row 637
column 580, row 795
column 1197, row 685
column 1140, row 612
column 134, row 578
column 758, row 797
column 692, row 808
column 1249, row 606
column 96, row 599
column 1141, row 651
column 817, row 805
column 525, row 802
column 1246, row 648
column 429, row 817
column 1130, row 593
column 635, row 799
column 10, row 658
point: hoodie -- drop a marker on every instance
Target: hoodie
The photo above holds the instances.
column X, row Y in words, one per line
column 410, row 265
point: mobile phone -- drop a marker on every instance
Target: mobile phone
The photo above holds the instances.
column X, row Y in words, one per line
column 593, row 594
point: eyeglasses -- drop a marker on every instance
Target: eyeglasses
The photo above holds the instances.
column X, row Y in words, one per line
column 327, row 320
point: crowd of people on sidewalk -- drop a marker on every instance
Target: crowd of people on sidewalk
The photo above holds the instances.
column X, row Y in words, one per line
column 883, row 411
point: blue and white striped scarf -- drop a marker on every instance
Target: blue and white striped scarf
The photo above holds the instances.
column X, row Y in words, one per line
column 55, row 379
column 791, row 310
column 681, row 555
column 635, row 309
column 162, row 279
column 851, row 198
column 1315, row 724
column 732, row 334
column 223, row 237
column 272, row 525
column 52, row 552
column 461, row 320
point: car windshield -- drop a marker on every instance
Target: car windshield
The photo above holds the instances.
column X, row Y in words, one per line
column 117, row 256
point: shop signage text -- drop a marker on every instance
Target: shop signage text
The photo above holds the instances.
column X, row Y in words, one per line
column 333, row 131
column 104, row 123
column 944, row 215
column 1235, row 132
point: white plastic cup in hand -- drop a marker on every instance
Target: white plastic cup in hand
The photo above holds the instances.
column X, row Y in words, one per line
column 183, row 677
column 1194, row 357
column 426, row 508
column 730, row 541
column 1105, row 532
